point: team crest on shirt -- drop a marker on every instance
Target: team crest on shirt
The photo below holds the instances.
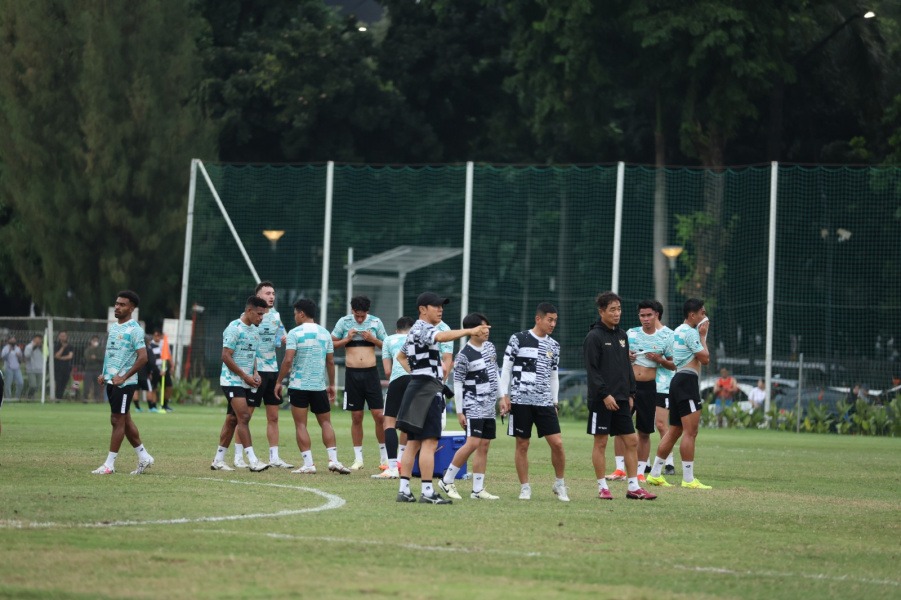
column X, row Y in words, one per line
column 622, row 343
column 549, row 354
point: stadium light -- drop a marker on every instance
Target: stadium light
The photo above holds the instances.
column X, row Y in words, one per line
column 869, row 15
column 273, row 235
column 361, row 28
column 672, row 253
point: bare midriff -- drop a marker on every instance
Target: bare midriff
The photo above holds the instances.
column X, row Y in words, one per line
column 359, row 357
column 644, row 373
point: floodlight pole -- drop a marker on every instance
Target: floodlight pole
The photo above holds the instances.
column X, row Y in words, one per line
column 327, row 242
column 771, row 286
column 186, row 267
column 467, row 242
column 618, row 225
column 350, row 276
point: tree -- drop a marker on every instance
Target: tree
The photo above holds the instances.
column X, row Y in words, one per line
column 98, row 123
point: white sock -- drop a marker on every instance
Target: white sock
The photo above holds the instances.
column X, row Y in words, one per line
column 642, row 465
column 558, row 482
column 427, row 489
column 250, row 455
column 478, row 482
column 332, row 454
column 633, row 484
column 602, row 484
column 669, row 459
column 111, row 459
column 688, row 474
column 392, row 464
column 220, row 454
column 273, row 453
column 620, row 463
column 358, row 453
column 404, row 485
column 400, row 452
column 142, row 453
column 450, row 473
column 658, row 467
column 383, row 452
column 525, row 486
column 307, row 458
column 239, row 451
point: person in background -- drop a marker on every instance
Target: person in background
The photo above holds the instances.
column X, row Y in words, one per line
column 34, row 366
column 93, row 365
column 724, row 389
column 62, row 364
column 757, row 396
column 12, row 358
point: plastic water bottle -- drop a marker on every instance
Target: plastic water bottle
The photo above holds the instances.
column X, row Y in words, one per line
column 278, row 335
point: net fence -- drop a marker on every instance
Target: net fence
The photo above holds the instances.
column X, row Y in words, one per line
column 549, row 234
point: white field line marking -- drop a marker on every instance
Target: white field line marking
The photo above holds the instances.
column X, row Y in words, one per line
column 779, row 574
column 310, row 538
column 332, row 502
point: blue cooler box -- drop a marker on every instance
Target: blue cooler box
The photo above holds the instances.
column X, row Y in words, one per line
column 448, row 444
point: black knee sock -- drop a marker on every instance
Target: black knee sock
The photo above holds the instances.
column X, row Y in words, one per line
column 391, row 443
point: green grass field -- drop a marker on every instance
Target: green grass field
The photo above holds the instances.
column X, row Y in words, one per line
column 811, row 516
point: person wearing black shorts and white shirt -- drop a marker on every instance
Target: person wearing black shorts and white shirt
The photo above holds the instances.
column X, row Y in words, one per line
column 529, row 385
column 611, row 394
column 360, row 334
column 271, row 336
column 398, row 380
column 310, row 362
column 689, row 353
column 421, row 357
column 476, row 390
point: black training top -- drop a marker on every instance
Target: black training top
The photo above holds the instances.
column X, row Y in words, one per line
column 606, row 353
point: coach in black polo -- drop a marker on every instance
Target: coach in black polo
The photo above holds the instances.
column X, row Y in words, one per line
column 611, row 390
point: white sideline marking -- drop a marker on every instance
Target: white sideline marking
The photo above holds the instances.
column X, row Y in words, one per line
column 333, row 502
column 779, row 574
column 310, row 538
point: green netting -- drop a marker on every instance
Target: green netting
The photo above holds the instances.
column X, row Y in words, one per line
column 543, row 233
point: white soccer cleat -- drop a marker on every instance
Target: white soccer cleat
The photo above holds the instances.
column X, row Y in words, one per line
column 387, row 474
column 560, row 490
column 143, row 465
column 357, row 465
column 305, row 469
column 525, row 493
column 104, row 470
column 483, row 495
column 219, row 465
column 278, row 462
column 336, row 467
column 239, row 462
column 450, row 489
column 258, row 466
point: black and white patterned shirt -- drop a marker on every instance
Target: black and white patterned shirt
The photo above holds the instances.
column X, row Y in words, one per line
column 534, row 360
column 423, row 352
column 476, row 369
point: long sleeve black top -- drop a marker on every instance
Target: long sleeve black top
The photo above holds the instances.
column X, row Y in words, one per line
column 606, row 353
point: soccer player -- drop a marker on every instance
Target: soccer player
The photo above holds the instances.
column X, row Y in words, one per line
column 689, row 353
column 240, row 349
column 645, row 342
column 360, row 334
column 611, row 394
column 271, row 332
column 665, row 369
column 125, row 356
column 422, row 355
column 476, row 392
column 529, row 385
column 398, row 379
column 309, row 357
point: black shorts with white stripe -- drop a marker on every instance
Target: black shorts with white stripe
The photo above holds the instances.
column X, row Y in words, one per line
column 485, row 429
column 234, row 391
column 663, row 400
column 120, row 398
column 602, row 421
column 685, row 397
column 523, row 416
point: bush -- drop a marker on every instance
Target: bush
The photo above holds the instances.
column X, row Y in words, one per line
column 195, row 391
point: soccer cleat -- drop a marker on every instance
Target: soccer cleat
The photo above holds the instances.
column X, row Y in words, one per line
column 219, row 465
column 695, row 485
column 450, row 489
column 239, row 462
column 305, row 469
column 139, row 410
column 258, row 466
column 357, row 465
column 659, row 480
column 483, row 495
column 384, row 465
column 617, row 475
column 604, row 494
column 525, row 494
column 640, row 494
column 167, row 409
column 387, row 474
column 560, row 490
column 669, row 470
column 336, row 467
column 641, row 478
column 405, row 497
column 435, row 498
column 154, row 410
column 104, row 470
column 278, row 462
column 143, row 465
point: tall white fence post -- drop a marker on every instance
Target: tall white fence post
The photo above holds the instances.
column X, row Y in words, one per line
column 467, row 242
column 327, row 242
column 771, row 285
column 618, row 225
column 186, row 267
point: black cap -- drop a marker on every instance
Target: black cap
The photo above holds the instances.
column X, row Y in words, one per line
column 431, row 299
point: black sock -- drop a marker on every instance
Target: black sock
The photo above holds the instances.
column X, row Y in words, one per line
column 391, row 443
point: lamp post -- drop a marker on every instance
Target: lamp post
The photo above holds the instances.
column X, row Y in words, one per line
column 672, row 253
column 273, row 235
column 831, row 238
